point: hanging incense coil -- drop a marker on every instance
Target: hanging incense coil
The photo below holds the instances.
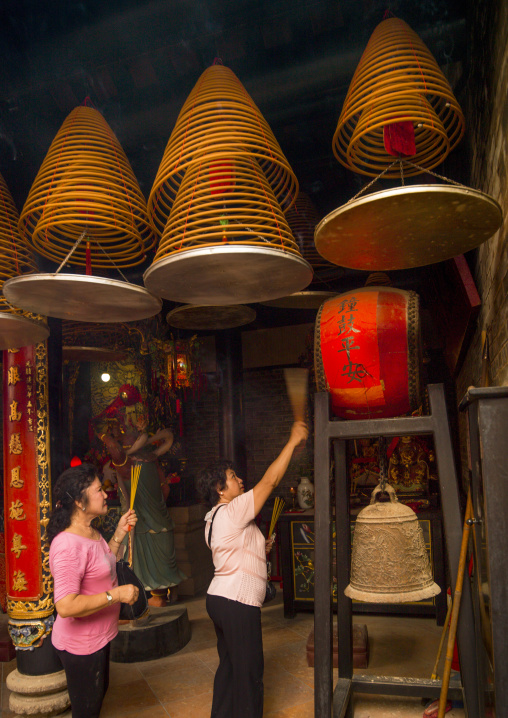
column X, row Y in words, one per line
column 226, row 240
column 219, row 117
column 397, row 80
column 15, row 258
column 86, row 183
column 17, row 328
column 246, row 213
column 302, row 218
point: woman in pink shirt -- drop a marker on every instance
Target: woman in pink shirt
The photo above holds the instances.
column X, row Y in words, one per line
column 238, row 587
column 86, row 591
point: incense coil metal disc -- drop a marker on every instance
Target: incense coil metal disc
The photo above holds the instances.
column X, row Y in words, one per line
column 397, row 80
column 219, row 117
column 119, row 337
column 225, row 202
column 406, row 227
column 86, row 183
column 301, row 300
column 17, row 331
column 91, row 354
column 82, row 298
column 196, row 317
column 227, row 274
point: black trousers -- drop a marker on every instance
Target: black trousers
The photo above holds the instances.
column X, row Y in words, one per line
column 87, row 681
column 238, row 684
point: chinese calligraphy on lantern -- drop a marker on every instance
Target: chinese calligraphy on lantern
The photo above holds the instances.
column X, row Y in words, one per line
column 346, row 322
column 17, row 545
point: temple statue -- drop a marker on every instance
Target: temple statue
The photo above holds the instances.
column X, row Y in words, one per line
column 152, row 543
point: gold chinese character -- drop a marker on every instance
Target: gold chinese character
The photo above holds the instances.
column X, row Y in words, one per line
column 15, row 444
column 13, row 375
column 19, row 581
column 16, row 511
column 16, row 480
column 13, row 351
column 15, row 415
column 30, row 424
column 17, row 546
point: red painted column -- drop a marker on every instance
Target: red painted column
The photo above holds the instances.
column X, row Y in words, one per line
column 27, row 495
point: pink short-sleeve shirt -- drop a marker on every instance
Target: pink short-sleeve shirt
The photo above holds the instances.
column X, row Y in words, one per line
column 238, row 551
column 87, row 567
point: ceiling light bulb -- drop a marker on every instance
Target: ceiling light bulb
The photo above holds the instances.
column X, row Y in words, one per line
column 105, row 376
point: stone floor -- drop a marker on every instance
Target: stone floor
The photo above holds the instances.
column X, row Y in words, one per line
column 180, row 686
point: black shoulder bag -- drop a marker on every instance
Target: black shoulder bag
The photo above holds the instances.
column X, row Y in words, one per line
column 271, row 591
column 126, row 575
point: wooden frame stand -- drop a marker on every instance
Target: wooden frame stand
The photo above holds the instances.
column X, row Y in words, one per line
column 336, row 701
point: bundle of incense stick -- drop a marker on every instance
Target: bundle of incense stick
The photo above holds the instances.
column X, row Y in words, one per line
column 296, row 387
column 278, row 508
column 135, row 472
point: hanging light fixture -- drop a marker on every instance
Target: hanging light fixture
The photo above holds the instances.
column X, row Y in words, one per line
column 85, row 208
column 17, row 328
column 218, row 201
column 400, row 118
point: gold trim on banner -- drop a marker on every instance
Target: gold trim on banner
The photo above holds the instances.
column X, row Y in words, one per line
column 42, row 606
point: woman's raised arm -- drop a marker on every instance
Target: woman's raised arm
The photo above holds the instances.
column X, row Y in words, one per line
column 277, row 469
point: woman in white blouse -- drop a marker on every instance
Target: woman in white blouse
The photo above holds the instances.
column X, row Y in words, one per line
column 238, row 587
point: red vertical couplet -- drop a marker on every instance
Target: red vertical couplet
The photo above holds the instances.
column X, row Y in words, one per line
column 22, row 524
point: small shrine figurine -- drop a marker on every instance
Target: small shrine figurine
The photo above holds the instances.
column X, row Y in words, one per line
column 411, row 465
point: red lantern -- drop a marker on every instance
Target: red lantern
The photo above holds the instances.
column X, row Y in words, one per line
column 367, row 352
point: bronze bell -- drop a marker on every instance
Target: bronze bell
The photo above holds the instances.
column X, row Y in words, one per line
column 389, row 562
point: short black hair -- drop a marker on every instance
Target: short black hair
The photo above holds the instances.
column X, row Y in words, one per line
column 212, row 480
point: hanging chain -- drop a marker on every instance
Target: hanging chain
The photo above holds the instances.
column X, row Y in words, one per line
column 364, row 189
column 403, row 161
column 113, row 263
column 401, row 171
column 76, row 244
column 383, row 463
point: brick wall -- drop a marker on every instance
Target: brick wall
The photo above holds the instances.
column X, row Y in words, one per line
column 201, row 430
column 486, row 109
column 268, row 420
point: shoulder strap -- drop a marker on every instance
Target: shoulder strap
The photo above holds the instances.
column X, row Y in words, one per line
column 211, row 524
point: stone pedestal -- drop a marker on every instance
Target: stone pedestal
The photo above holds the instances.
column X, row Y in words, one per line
column 193, row 556
column 38, row 696
column 166, row 631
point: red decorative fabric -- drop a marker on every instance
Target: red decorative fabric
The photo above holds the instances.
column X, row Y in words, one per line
column 399, row 139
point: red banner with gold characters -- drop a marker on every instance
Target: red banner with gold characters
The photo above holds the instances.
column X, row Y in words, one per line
column 26, row 481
